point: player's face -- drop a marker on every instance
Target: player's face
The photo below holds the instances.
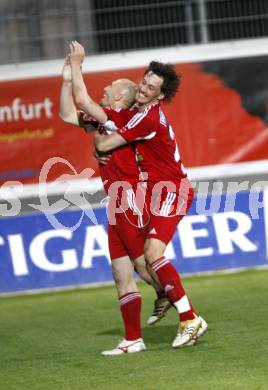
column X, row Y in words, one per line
column 106, row 100
column 149, row 89
column 110, row 92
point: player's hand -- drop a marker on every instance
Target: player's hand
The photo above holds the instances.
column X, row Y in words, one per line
column 102, row 158
column 67, row 70
column 77, row 53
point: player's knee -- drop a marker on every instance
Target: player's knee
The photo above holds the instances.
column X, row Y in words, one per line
column 154, row 249
column 151, row 253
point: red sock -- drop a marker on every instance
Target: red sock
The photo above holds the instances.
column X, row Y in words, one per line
column 187, row 315
column 170, row 280
column 130, row 305
column 193, row 309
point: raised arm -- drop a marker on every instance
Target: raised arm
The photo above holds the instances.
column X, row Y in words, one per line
column 81, row 96
column 68, row 111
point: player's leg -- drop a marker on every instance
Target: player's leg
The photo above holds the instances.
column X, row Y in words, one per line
column 142, row 270
column 161, row 303
column 160, row 232
column 123, row 270
column 128, row 293
column 170, row 279
column 133, row 239
column 128, row 296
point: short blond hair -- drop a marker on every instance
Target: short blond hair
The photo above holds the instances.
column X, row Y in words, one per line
column 128, row 89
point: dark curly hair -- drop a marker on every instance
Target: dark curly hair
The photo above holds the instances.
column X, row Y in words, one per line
column 171, row 80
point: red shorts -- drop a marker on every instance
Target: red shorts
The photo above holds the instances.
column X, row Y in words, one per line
column 125, row 239
column 167, row 209
column 128, row 217
column 157, row 218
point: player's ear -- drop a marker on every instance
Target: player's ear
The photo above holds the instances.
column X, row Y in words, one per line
column 161, row 96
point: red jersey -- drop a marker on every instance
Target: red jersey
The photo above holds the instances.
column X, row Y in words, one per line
column 122, row 165
column 157, row 150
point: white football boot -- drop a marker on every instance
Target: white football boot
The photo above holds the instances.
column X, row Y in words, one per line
column 199, row 333
column 161, row 306
column 186, row 332
column 126, row 346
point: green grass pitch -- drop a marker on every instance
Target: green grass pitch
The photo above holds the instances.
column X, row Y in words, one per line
column 53, row 341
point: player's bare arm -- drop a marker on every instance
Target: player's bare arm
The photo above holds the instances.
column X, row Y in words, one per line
column 81, row 96
column 68, row 111
column 107, row 143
